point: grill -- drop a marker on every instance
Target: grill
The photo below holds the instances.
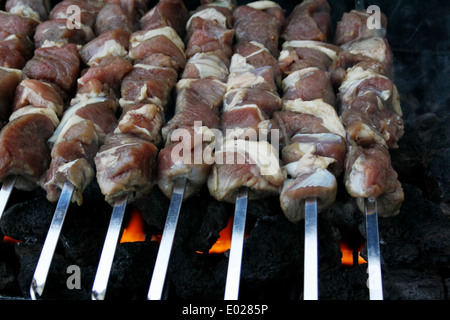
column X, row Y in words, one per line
column 414, row 245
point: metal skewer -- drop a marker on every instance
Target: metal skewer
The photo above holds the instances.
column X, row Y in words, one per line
column 165, row 247
column 373, row 250
column 109, row 249
column 311, row 274
column 5, row 192
column 45, row 259
column 237, row 245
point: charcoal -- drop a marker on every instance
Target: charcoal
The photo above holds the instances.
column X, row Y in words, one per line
column 132, row 270
column 56, row 287
column 7, row 277
column 154, row 208
column 417, row 236
column 84, row 231
column 343, row 284
column 28, row 221
column 407, row 284
column 195, row 275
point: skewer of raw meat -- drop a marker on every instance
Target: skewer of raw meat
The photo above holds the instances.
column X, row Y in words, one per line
column 126, row 163
column 17, row 27
column 199, row 97
column 370, row 110
column 50, row 76
column 312, row 135
column 88, row 118
column 247, row 165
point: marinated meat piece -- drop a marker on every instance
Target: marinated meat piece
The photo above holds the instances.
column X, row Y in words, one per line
column 254, row 54
column 99, row 110
column 167, row 13
column 36, row 9
column 372, row 53
column 353, row 26
column 57, row 31
column 9, row 80
column 197, row 100
column 15, row 24
column 328, row 145
column 134, row 9
column 177, row 160
column 112, row 17
column 39, row 94
column 259, row 79
column 15, row 51
column 369, row 174
column 148, row 84
column 244, row 163
column 370, row 108
column 224, row 7
column 289, row 123
column 208, row 36
column 318, row 108
column 260, row 22
column 163, row 41
column 75, row 142
column 244, row 118
column 126, row 163
column 267, row 102
column 24, row 150
column 301, row 54
column 142, row 120
column 205, row 65
column 310, row 178
column 309, row 20
column 58, row 65
column 250, row 99
column 109, row 43
column 72, row 160
column 89, row 10
column 309, row 84
column 106, row 74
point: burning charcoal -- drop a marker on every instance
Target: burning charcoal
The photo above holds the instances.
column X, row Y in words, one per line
column 28, row 221
column 7, row 277
column 132, row 270
column 197, row 276
column 343, row 284
column 263, row 207
column 438, row 178
column 58, row 278
column 213, row 220
column 407, row 159
column 273, row 250
column 417, row 236
column 407, row 284
column 84, row 231
column 154, row 208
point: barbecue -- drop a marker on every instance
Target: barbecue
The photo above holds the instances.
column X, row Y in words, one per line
column 256, row 121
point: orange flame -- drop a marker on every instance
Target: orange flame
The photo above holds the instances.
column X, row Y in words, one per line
column 348, row 258
column 224, row 242
column 135, row 230
column 10, row 241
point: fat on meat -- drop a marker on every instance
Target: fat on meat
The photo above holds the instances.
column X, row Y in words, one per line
column 36, row 9
column 170, row 13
